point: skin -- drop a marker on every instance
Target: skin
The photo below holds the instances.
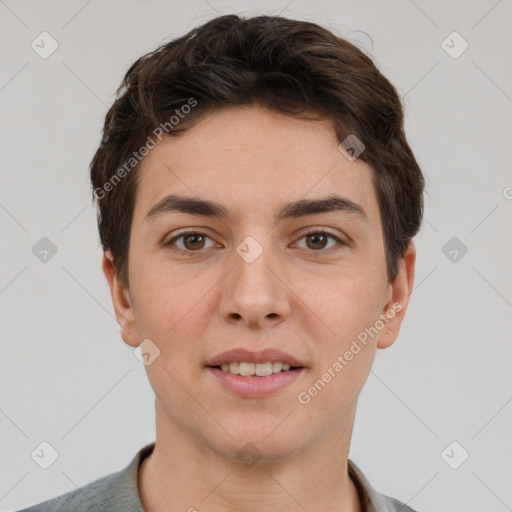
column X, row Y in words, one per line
column 306, row 297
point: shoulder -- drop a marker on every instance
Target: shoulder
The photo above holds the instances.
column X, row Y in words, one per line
column 91, row 497
column 371, row 500
column 115, row 492
column 393, row 505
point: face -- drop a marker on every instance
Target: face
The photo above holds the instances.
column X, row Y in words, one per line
column 257, row 272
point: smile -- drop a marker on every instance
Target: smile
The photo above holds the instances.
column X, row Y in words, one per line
column 259, row 369
column 252, row 385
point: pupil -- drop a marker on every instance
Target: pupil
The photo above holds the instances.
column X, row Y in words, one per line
column 315, row 236
column 188, row 237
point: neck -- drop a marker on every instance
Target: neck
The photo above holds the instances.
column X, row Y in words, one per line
column 183, row 474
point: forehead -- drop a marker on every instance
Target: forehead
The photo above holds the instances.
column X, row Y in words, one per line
column 252, row 157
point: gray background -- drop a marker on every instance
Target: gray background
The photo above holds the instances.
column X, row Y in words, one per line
column 66, row 376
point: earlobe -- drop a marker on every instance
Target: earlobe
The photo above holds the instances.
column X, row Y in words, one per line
column 396, row 306
column 121, row 300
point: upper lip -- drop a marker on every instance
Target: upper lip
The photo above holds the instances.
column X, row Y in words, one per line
column 247, row 356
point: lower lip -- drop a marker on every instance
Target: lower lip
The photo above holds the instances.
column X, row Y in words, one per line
column 253, row 386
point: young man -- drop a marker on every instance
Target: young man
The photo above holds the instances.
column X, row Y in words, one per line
column 257, row 204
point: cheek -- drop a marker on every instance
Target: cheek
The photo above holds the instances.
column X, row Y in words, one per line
column 173, row 310
column 346, row 351
column 346, row 309
column 162, row 297
column 344, row 306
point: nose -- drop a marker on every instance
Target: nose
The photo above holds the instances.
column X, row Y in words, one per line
column 254, row 292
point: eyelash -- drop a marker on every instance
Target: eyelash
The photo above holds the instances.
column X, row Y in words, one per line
column 170, row 244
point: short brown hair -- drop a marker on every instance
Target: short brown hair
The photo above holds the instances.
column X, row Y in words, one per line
column 286, row 65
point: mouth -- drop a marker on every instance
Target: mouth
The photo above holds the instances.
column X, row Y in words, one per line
column 247, row 369
column 253, row 386
column 241, row 361
column 248, row 374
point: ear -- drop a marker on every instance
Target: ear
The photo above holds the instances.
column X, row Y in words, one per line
column 398, row 295
column 121, row 301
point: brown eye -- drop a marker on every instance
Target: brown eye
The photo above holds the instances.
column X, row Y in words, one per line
column 195, row 241
column 189, row 242
column 318, row 241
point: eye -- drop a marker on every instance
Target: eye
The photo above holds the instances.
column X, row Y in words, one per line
column 193, row 241
column 318, row 240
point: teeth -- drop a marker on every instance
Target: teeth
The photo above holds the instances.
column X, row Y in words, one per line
column 259, row 369
column 247, row 368
column 263, row 369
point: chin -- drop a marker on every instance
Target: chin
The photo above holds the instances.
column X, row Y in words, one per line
column 252, row 443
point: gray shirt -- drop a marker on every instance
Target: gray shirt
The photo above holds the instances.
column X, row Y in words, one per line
column 118, row 492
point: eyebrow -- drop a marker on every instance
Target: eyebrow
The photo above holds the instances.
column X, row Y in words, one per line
column 202, row 207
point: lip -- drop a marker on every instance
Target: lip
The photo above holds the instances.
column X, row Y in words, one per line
column 253, row 386
column 240, row 355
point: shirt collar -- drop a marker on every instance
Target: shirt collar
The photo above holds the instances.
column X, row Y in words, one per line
column 370, row 499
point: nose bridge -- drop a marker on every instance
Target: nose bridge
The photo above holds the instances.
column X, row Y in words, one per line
column 254, row 293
